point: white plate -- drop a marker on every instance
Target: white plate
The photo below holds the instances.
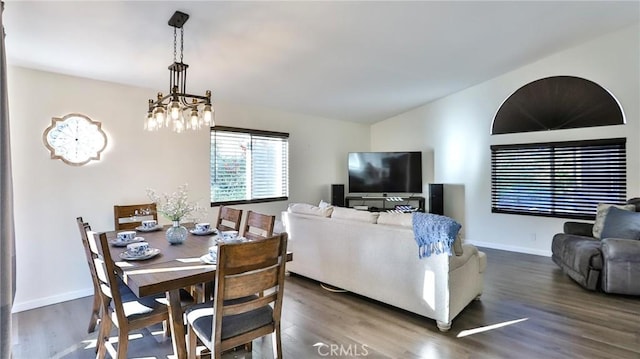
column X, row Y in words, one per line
column 207, row 233
column 128, row 256
column 118, row 243
column 208, row 259
column 142, row 229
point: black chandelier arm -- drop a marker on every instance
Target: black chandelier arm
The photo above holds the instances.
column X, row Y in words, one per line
column 161, row 101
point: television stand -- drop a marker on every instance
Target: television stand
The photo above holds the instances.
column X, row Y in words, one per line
column 387, row 203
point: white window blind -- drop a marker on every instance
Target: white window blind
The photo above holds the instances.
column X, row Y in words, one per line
column 561, row 179
column 248, row 166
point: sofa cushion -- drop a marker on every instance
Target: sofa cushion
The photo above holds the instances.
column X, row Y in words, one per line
column 354, row 214
column 304, row 208
column 396, row 219
column 601, row 214
column 621, row 224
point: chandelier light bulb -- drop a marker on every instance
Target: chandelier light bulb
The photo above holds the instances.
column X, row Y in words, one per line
column 178, row 126
column 174, row 110
column 207, row 114
column 159, row 114
column 147, row 123
column 194, row 118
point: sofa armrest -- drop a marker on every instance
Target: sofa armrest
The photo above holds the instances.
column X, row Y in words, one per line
column 623, row 250
column 579, row 228
column 621, row 266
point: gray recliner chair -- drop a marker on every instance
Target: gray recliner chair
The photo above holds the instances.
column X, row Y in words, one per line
column 610, row 264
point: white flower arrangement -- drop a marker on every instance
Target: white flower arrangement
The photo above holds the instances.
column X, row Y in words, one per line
column 174, row 206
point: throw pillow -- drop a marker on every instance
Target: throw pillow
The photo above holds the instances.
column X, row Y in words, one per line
column 354, row 214
column 324, row 204
column 621, row 224
column 308, row 209
column 601, row 214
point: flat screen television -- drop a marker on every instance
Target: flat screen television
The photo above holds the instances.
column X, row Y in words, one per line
column 385, row 172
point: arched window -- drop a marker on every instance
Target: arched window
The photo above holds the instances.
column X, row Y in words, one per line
column 556, row 103
column 558, row 179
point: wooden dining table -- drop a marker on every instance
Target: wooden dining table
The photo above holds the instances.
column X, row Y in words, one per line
column 176, row 266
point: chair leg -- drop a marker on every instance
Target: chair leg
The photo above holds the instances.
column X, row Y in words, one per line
column 207, row 290
column 95, row 314
column 277, row 343
column 192, row 340
column 123, row 343
column 166, row 331
column 103, row 336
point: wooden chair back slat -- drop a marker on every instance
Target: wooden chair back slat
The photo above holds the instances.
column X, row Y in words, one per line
column 243, row 258
column 254, row 282
column 234, row 309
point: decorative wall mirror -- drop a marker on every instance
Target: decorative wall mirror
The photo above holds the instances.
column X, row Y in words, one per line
column 75, row 139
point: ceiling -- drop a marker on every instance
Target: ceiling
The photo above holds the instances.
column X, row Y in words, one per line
column 354, row 61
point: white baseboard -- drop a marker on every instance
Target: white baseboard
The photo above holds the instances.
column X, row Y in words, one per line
column 58, row 298
column 510, row 248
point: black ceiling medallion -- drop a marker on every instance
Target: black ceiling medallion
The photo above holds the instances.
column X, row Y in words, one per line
column 555, row 103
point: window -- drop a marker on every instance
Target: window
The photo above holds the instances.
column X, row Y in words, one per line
column 560, row 179
column 248, row 166
column 557, row 102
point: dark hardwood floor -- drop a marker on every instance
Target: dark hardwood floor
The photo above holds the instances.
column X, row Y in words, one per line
column 529, row 309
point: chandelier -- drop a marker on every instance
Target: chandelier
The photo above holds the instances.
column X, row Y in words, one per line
column 179, row 110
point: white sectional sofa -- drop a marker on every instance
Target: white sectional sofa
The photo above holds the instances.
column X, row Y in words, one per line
column 376, row 255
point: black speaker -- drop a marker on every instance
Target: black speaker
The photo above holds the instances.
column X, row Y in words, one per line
column 337, row 195
column 436, row 198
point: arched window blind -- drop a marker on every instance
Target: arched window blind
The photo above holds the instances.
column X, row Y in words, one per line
column 555, row 103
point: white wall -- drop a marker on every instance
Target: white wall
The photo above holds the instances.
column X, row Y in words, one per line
column 456, row 129
column 49, row 194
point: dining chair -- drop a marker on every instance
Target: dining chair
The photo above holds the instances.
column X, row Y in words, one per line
column 258, row 226
column 120, row 306
column 83, row 227
column 131, row 216
column 229, row 219
column 237, row 314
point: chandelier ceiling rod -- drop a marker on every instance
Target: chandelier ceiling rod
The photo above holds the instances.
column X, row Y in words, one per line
column 169, row 110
